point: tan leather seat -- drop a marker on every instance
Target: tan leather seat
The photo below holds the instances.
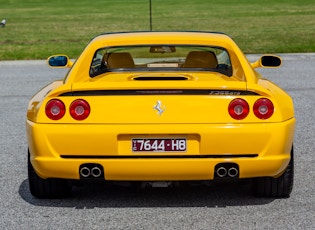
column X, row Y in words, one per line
column 120, row 60
column 201, row 59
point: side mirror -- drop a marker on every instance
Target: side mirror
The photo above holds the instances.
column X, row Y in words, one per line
column 61, row 61
column 270, row 61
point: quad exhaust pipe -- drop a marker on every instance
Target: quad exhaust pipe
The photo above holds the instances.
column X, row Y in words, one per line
column 96, row 171
column 221, row 172
column 91, row 170
column 233, row 172
column 85, row 172
column 226, row 170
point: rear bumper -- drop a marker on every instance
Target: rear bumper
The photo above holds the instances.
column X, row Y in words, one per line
column 258, row 150
column 160, row 169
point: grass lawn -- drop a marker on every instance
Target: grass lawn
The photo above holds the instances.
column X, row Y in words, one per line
column 36, row 28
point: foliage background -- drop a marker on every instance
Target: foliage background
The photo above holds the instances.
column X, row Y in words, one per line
column 37, row 28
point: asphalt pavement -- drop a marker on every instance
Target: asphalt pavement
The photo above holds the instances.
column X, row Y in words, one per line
column 95, row 206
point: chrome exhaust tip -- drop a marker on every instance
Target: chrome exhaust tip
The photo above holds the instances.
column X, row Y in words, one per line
column 85, row 172
column 226, row 170
column 91, row 170
column 221, row 172
column 96, row 172
column 232, row 172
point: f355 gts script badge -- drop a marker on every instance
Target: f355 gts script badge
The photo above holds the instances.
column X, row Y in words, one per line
column 159, row 107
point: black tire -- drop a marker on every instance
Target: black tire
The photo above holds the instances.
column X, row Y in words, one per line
column 280, row 187
column 46, row 188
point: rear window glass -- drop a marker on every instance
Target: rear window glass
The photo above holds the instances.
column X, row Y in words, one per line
column 161, row 58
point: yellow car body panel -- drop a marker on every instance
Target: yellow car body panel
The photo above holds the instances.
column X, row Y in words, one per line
column 120, row 115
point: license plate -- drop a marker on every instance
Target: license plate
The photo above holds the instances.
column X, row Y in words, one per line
column 159, row 145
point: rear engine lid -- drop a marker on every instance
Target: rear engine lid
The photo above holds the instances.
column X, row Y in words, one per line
column 159, row 98
column 141, row 81
column 158, row 102
column 163, row 107
column 164, row 76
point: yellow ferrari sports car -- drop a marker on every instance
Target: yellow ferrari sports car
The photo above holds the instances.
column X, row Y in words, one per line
column 161, row 107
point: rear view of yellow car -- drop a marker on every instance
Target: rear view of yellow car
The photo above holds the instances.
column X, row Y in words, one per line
column 161, row 107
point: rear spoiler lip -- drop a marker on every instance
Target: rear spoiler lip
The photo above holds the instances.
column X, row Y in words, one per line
column 213, row 92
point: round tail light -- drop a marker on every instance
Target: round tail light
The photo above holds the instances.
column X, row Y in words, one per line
column 55, row 109
column 79, row 109
column 263, row 108
column 238, row 109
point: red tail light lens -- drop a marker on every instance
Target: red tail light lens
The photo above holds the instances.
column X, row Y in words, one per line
column 80, row 109
column 238, row 109
column 263, row 108
column 55, row 109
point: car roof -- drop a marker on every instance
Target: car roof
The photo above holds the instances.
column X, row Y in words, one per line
column 158, row 37
column 165, row 31
column 185, row 38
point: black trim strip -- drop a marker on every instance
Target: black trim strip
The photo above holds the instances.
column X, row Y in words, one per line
column 159, row 92
column 161, row 157
column 173, row 78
